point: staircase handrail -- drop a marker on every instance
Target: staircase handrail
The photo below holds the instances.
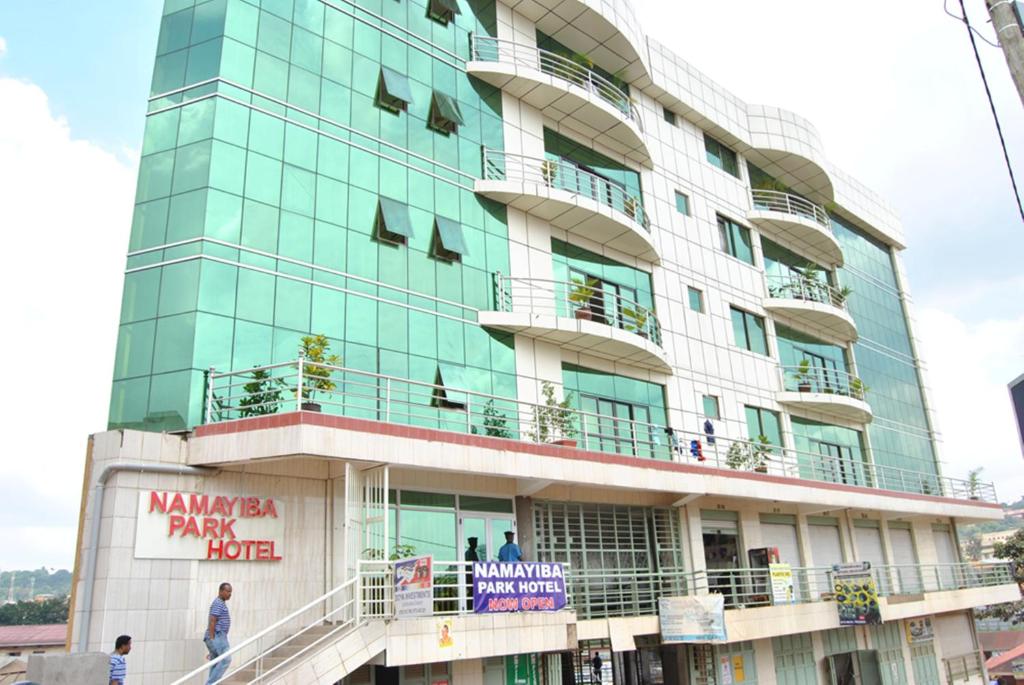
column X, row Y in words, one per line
column 350, row 583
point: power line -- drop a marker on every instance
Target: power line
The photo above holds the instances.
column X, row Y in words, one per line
column 992, row 105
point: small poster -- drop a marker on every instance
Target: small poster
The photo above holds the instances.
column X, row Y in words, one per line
column 698, row 618
column 919, row 630
column 856, row 594
column 782, row 583
column 737, row 668
column 414, row 587
column 725, row 668
column 445, row 639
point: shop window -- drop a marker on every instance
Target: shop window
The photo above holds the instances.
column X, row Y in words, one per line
column 393, row 91
column 448, row 241
column 392, row 224
column 445, row 115
column 443, row 11
column 450, row 392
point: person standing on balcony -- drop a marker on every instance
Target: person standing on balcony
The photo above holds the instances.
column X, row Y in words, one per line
column 510, row 550
column 470, row 556
column 216, row 635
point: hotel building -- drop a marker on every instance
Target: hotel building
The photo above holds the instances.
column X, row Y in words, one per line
column 568, row 287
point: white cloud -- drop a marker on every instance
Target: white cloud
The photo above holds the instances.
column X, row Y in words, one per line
column 65, row 206
column 969, row 365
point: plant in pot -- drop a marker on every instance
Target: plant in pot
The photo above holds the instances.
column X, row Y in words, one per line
column 316, row 371
column 841, row 295
column 554, row 421
column 974, row 483
column 580, row 294
column 760, row 454
column 495, row 423
column 262, row 394
column 803, row 375
column 549, row 170
column 858, row 388
column 638, row 316
column 738, row 456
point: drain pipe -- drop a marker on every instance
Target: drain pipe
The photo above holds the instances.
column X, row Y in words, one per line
column 97, row 520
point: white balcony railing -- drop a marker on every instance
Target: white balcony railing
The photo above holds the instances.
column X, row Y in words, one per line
column 291, row 386
column 561, row 174
column 786, row 203
column 576, row 299
column 807, row 289
column 819, row 379
column 488, row 49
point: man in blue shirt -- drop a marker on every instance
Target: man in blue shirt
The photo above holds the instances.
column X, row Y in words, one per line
column 118, row 665
column 510, row 551
column 216, row 635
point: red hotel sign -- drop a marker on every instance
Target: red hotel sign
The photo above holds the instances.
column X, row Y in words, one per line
column 188, row 525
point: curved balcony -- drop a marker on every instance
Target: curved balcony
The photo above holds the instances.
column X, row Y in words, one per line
column 797, row 223
column 817, row 305
column 829, row 391
column 580, row 318
column 570, row 198
column 565, row 91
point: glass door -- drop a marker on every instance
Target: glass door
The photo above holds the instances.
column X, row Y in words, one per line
column 489, row 531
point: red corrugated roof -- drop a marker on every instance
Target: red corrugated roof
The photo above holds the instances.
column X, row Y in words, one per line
column 31, row 636
column 1006, row 657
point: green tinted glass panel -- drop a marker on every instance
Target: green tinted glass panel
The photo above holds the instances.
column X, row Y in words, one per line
column 450, row 233
column 711, row 406
column 453, row 379
column 397, row 85
column 682, row 203
column 721, row 156
column 448, row 108
column 696, row 298
column 492, row 504
column 395, row 216
column 427, row 499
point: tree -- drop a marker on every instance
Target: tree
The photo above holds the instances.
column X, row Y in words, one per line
column 48, row 611
column 262, row 394
column 315, row 349
column 1012, row 551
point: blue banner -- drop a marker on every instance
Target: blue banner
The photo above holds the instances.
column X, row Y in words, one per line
column 504, row 586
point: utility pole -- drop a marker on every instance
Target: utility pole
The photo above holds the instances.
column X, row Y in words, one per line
column 1008, row 21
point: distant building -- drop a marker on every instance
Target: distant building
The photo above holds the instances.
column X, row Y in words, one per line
column 988, row 541
column 18, row 642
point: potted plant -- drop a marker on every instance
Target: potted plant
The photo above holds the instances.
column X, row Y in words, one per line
column 841, row 295
column 314, row 351
column 580, row 294
column 495, row 423
column 803, row 375
column 760, row 454
column 549, row 170
column 639, row 316
column 262, row 395
column 974, row 482
column 857, row 388
column 553, row 421
column 738, row 456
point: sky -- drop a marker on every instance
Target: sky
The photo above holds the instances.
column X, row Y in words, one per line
column 891, row 86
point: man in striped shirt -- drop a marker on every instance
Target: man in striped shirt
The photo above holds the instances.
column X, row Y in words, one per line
column 216, row 635
column 118, row 665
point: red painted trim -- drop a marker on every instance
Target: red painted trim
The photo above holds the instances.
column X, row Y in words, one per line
column 297, row 418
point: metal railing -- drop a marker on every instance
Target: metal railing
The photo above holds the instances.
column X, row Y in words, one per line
column 277, row 648
column 562, row 174
column 962, row 668
column 823, row 380
column 751, row 587
column 778, row 201
column 803, row 288
column 614, row 593
column 909, row 579
column 488, row 49
column 587, row 301
column 294, row 385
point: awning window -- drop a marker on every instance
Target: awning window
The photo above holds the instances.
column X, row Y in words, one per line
column 451, row 390
column 449, row 243
column 393, row 91
column 443, row 10
column 393, row 224
column 445, row 115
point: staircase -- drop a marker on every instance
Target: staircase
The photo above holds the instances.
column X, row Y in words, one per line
column 319, row 643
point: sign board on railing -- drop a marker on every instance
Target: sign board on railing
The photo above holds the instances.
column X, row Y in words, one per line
column 190, row 525
column 696, row 618
column 502, row 586
column 414, row 586
column 782, row 584
column 856, row 594
column 919, row 630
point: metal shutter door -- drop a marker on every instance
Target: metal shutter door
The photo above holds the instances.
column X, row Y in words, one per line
column 826, row 546
column 783, row 536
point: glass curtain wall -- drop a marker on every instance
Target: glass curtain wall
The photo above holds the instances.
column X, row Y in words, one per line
column 266, row 155
column 900, row 433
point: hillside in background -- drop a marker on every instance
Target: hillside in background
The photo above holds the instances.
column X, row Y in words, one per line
column 46, row 583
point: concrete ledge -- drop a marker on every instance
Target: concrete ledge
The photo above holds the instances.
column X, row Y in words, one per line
column 89, row 668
